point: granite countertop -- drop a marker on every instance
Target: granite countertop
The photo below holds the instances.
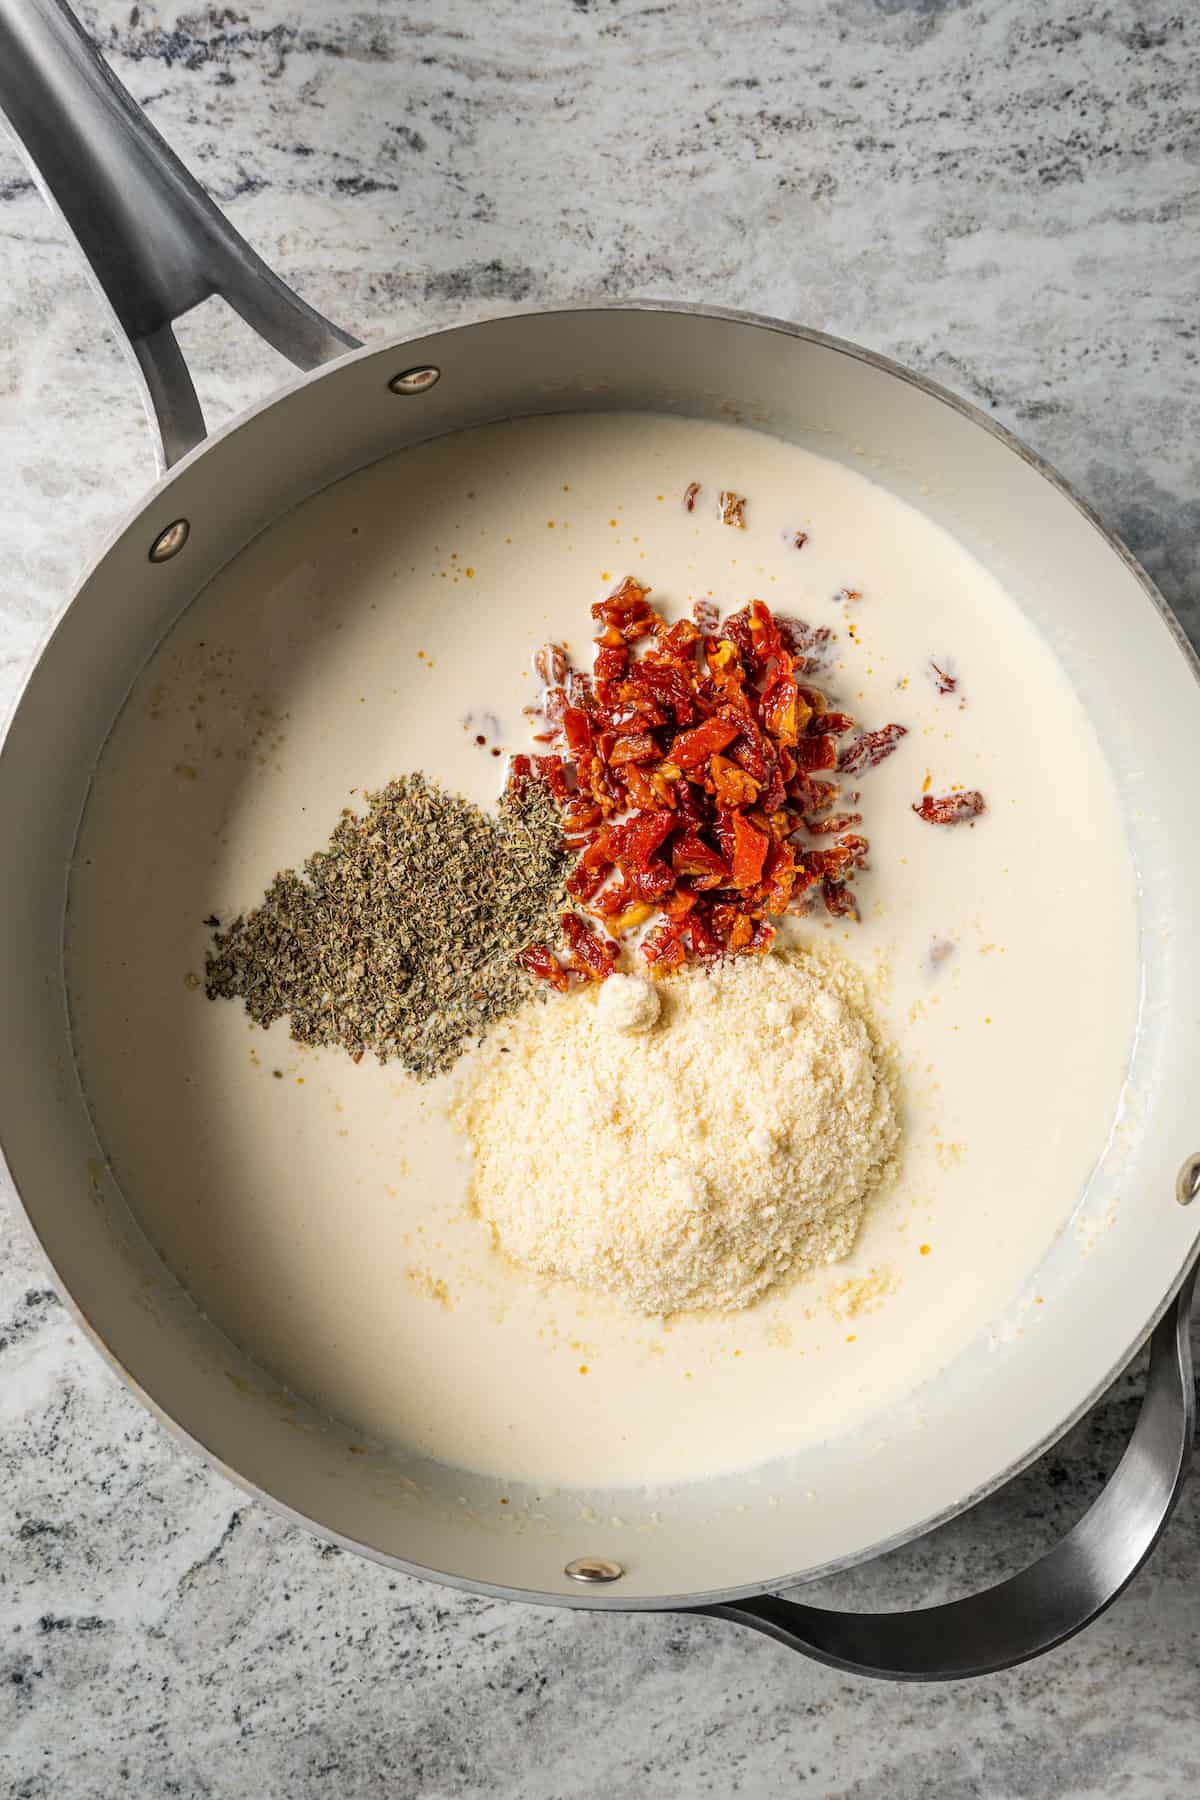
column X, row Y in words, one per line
column 1003, row 196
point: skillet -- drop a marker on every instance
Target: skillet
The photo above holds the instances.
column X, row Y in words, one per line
column 157, row 247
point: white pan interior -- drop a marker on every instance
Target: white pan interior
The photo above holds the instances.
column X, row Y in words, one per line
column 1025, row 1376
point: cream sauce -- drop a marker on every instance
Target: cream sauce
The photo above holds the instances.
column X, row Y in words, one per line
column 315, row 1209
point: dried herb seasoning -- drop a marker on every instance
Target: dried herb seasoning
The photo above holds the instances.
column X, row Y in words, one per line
column 399, row 938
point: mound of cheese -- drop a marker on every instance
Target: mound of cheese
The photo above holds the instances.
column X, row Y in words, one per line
column 686, row 1144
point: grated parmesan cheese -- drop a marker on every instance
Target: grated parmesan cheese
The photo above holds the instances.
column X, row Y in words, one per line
column 698, row 1160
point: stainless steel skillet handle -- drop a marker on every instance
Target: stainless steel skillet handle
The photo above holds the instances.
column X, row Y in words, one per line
column 1046, row 1603
column 152, row 238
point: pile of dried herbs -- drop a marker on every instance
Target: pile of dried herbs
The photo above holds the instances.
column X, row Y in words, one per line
column 399, row 938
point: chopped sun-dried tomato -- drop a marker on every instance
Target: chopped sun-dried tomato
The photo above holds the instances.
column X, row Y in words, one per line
column 679, row 904
column 849, row 852
column 748, row 751
column 551, row 771
column 689, row 495
column 550, row 665
column 540, row 963
column 654, row 880
column 584, row 882
column 809, row 644
column 950, row 809
column 749, row 852
column 693, row 769
column 591, row 955
column 755, row 634
column 812, row 795
column 839, row 899
column 779, row 877
column 678, row 644
column 692, row 748
column 764, row 632
column 580, row 816
column 741, row 934
column 627, row 612
column 690, row 855
column 662, row 948
column 774, row 789
column 577, row 730
column 779, row 708
column 724, row 915
column 732, row 786
column 637, row 747
column 641, row 788
column 612, row 664
column 812, row 753
column 703, row 936
column 617, row 897
column 579, row 689
column 664, row 687
column 764, row 936
column 869, row 748
column 946, row 683
column 634, row 842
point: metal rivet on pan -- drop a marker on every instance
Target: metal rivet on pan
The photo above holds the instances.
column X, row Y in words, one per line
column 170, row 541
column 593, row 1568
column 415, row 381
column 1188, row 1185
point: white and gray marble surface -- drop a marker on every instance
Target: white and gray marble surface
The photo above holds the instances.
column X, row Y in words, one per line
column 1003, row 195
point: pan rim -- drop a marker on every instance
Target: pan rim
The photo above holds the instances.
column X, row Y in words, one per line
column 586, row 1600
column 968, row 410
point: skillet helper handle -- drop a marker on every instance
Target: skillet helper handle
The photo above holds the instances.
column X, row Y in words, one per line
column 1045, row 1604
column 154, row 241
